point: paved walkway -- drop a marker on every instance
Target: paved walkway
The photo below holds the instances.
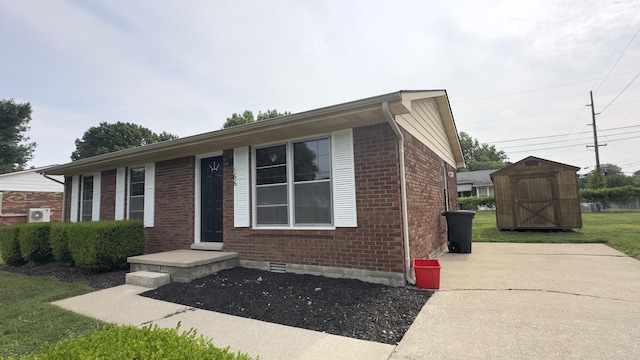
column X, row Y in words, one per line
column 503, row 301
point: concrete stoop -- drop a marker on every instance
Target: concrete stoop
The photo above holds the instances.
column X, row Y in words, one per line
column 184, row 265
column 148, row 279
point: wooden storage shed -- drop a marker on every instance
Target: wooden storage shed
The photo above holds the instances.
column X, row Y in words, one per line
column 536, row 193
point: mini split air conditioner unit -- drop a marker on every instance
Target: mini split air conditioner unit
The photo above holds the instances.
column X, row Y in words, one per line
column 37, row 215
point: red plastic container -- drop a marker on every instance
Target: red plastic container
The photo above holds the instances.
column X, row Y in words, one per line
column 427, row 273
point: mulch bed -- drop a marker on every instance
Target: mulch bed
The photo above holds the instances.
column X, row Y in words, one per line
column 342, row 307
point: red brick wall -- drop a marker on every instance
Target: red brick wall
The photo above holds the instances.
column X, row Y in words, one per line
column 19, row 202
column 174, row 206
column 108, row 195
column 376, row 244
column 424, row 172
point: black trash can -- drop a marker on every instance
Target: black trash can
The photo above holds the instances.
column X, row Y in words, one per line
column 459, row 225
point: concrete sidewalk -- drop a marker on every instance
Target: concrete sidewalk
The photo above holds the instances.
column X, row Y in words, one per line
column 530, row 301
column 122, row 305
column 503, row 301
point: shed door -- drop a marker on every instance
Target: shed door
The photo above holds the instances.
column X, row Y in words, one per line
column 535, row 201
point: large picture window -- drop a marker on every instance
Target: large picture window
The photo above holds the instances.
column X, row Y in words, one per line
column 136, row 193
column 86, row 212
column 293, row 184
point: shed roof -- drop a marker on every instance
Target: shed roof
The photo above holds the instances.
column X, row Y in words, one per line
column 352, row 114
column 515, row 165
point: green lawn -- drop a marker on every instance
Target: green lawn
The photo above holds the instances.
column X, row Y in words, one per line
column 28, row 320
column 620, row 230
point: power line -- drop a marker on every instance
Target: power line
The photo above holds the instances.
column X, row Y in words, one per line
column 538, row 89
column 558, row 135
column 562, row 141
column 567, row 146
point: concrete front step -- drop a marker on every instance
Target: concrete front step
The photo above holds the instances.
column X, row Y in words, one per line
column 184, row 265
column 148, row 279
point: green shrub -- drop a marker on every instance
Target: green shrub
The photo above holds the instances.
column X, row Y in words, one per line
column 472, row 202
column 34, row 242
column 130, row 342
column 10, row 246
column 105, row 245
column 59, row 242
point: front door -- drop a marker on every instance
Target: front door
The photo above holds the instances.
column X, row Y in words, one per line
column 211, row 199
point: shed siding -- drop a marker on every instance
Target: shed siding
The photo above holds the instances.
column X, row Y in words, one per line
column 518, row 186
column 425, row 124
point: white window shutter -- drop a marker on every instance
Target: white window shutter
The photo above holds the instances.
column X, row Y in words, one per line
column 97, row 188
column 241, row 187
column 343, row 176
column 149, row 194
column 120, row 192
column 75, row 198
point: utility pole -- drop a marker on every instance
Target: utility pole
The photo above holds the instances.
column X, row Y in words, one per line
column 595, row 133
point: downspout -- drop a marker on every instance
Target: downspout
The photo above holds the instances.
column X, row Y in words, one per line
column 446, row 186
column 403, row 192
column 64, row 194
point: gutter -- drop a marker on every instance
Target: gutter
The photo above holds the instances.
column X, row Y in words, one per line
column 8, row 215
column 403, row 192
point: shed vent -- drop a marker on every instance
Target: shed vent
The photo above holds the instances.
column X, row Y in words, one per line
column 278, row 267
column 531, row 163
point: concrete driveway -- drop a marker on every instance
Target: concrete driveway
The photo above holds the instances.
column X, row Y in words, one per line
column 530, row 301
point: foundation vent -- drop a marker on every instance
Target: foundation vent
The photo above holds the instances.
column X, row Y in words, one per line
column 278, row 267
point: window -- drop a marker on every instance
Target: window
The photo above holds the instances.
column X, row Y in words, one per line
column 87, row 198
column 136, row 193
column 293, row 183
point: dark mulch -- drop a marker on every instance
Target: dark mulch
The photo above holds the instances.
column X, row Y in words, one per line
column 66, row 273
column 337, row 306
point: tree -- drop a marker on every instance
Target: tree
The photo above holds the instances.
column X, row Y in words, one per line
column 106, row 138
column 247, row 117
column 479, row 156
column 15, row 150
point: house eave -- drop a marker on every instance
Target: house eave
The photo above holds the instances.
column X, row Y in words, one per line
column 347, row 115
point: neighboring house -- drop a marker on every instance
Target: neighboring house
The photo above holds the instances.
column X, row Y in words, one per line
column 25, row 193
column 351, row 190
column 475, row 183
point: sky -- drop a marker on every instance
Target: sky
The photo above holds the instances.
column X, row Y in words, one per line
column 518, row 74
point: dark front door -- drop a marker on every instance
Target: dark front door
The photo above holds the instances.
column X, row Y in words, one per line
column 211, row 199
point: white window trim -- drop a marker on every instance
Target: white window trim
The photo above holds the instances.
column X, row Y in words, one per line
column 241, row 187
column 75, row 198
column 149, row 193
column 120, row 193
column 290, row 187
column 197, row 231
column 94, row 198
column 97, row 189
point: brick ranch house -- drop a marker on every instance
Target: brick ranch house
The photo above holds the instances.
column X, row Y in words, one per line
column 352, row 190
column 23, row 191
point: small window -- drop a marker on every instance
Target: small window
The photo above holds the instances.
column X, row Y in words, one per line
column 531, row 163
column 136, row 193
column 87, row 198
